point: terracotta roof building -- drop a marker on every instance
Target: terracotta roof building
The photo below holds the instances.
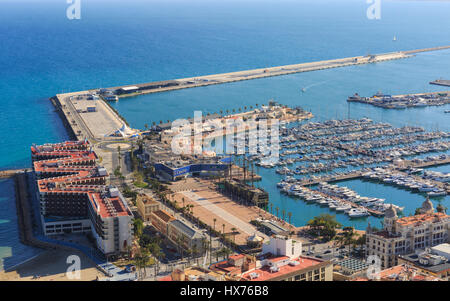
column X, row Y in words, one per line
column 405, row 235
column 74, row 197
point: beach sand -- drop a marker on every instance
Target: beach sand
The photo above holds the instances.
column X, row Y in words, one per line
column 52, row 266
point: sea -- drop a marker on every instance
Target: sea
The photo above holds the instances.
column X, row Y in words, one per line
column 43, row 52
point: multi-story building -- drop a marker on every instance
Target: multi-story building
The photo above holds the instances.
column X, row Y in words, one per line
column 146, row 205
column 406, row 235
column 177, row 232
column 185, row 236
column 74, row 197
column 281, row 260
column 160, row 220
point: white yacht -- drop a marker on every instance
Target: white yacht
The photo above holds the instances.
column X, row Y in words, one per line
column 343, row 208
column 358, row 212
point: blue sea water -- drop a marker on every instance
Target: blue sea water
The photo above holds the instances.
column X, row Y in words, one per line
column 124, row 42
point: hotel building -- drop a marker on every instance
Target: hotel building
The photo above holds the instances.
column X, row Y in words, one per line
column 74, row 197
column 408, row 234
column 281, row 260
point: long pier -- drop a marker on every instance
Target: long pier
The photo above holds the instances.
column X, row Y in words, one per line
column 162, row 86
column 10, row 173
column 441, row 82
column 354, row 205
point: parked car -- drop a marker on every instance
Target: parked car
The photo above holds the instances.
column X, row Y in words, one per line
column 130, row 268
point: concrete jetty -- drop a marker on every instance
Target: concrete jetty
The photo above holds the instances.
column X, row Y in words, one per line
column 169, row 85
column 10, row 173
column 358, row 173
column 441, row 82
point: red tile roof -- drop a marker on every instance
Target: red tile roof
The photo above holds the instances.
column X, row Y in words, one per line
column 264, row 273
column 74, row 172
column 422, row 218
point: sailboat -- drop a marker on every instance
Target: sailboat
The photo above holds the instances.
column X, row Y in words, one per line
column 394, row 39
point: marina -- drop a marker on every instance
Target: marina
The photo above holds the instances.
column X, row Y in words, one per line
column 337, row 144
column 317, row 153
column 339, row 199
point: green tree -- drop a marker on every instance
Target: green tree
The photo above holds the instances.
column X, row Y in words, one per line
column 324, row 225
column 441, row 208
column 138, row 225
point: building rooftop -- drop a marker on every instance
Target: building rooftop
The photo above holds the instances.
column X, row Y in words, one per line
column 405, row 273
column 416, row 220
column 185, row 228
column 163, row 215
column 401, row 273
column 72, row 170
column 415, row 260
column 67, row 145
column 444, row 248
column 193, row 274
column 353, row 264
column 266, row 274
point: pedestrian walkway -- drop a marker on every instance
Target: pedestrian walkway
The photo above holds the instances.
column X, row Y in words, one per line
column 216, row 210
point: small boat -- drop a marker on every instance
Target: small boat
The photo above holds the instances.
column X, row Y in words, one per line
column 437, row 192
column 426, row 188
column 357, row 212
column 343, row 208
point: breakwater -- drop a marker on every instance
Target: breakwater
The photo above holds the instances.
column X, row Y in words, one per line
column 192, row 82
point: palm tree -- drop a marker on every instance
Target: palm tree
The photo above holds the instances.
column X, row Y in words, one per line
column 276, row 209
column 283, row 213
column 234, row 234
column 441, row 208
column 119, row 155
column 223, row 231
column 289, row 216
